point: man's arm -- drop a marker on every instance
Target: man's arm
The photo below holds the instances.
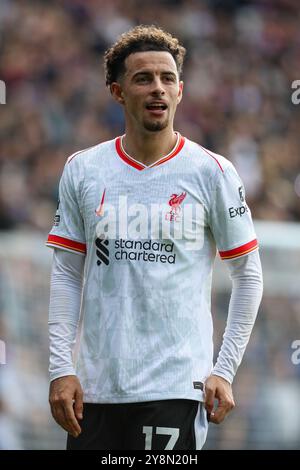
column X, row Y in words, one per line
column 247, row 287
column 65, row 395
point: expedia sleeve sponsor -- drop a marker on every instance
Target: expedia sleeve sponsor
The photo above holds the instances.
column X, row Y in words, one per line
column 237, row 211
column 230, row 217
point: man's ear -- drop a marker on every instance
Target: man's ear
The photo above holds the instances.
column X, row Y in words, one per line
column 179, row 98
column 117, row 93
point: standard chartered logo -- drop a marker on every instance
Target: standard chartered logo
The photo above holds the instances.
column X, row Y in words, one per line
column 102, row 250
column 141, row 222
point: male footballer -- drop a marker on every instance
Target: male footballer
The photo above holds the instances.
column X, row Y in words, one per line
column 139, row 221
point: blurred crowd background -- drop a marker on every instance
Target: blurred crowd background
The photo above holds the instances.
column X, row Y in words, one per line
column 242, row 57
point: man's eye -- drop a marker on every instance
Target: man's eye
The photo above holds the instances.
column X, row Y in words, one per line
column 142, row 79
column 169, row 79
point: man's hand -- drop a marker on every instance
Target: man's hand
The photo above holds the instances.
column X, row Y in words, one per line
column 65, row 398
column 218, row 388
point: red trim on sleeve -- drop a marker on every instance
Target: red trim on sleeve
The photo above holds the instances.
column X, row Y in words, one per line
column 241, row 250
column 54, row 240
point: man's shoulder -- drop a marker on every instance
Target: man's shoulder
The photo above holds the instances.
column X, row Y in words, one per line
column 207, row 159
column 87, row 155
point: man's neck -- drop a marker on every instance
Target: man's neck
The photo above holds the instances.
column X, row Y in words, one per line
column 149, row 147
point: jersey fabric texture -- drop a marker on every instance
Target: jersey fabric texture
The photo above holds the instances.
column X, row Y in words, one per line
column 152, row 425
column 149, row 235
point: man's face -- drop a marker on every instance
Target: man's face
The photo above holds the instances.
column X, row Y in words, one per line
column 149, row 90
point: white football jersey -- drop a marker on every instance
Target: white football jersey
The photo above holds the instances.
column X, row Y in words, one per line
column 149, row 235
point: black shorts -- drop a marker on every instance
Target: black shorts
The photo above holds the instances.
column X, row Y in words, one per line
column 154, row 425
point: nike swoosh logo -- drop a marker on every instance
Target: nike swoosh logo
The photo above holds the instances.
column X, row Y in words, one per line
column 100, row 209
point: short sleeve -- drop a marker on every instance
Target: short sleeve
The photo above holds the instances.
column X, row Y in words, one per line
column 230, row 217
column 68, row 228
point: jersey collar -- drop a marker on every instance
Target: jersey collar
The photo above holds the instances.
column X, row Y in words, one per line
column 140, row 166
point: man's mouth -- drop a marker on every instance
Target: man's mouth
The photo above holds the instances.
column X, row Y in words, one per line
column 156, row 108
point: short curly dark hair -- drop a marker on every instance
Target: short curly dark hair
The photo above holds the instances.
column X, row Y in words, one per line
column 142, row 38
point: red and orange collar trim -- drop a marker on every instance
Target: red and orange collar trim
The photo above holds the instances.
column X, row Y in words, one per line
column 140, row 166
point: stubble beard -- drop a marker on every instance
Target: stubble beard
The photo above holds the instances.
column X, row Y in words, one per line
column 155, row 126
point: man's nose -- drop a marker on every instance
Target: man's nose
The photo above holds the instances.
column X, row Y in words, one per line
column 158, row 88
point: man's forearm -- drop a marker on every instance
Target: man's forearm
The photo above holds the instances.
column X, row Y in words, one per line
column 247, row 287
column 64, row 310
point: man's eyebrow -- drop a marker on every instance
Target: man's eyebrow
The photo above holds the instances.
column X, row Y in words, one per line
column 141, row 72
column 148, row 72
